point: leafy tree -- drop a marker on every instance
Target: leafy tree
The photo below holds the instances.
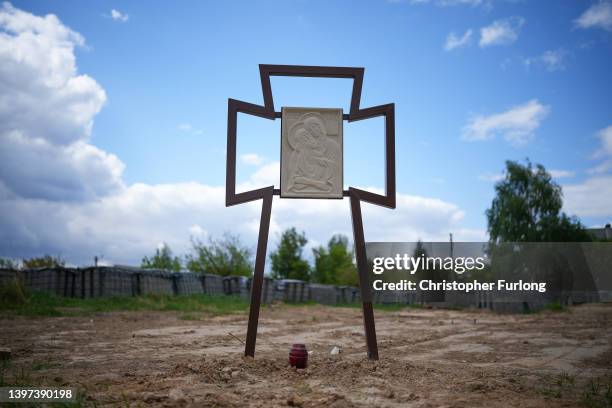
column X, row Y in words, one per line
column 527, row 208
column 45, row 261
column 6, row 263
column 227, row 256
column 334, row 264
column 287, row 261
column 162, row 259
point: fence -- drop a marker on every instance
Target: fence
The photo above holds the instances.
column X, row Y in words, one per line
column 127, row 281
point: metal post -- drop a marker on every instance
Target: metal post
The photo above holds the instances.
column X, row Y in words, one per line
column 258, row 274
column 364, row 280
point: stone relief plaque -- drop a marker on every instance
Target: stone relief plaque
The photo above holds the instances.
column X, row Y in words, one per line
column 311, row 153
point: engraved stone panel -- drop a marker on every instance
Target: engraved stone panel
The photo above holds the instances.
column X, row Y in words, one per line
column 311, row 153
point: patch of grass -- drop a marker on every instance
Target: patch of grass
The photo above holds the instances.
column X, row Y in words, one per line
column 556, row 307
column 563, row 385
column 551, row 392
column 13, row 292
column 597, row 395
column 43, row 304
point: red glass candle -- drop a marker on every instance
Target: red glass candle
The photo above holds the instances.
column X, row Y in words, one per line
column 298, row 356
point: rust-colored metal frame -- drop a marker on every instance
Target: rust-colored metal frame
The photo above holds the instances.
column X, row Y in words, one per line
column 355, row 195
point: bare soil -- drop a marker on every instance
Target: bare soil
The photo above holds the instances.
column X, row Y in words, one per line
column 428, row 358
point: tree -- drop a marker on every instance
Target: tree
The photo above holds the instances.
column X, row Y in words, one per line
column 162, row 259
column 227, row 256
column 287, row 261
column 334, row 264
column 45, row 261
column 527, row 208
column 6, row 263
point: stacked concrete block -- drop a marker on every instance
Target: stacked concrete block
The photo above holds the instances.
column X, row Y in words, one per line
column 347, row 294
column 43, row 280
column 117, row 282
column 237, row 286
column 6, row 276
column 296, row 291
column 268, row 289
column 156, row 282
column 187, row 284
column 212, row 284
column 324, row 294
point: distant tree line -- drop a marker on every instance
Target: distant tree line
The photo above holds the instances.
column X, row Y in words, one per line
column 45, row 261
column 333, row 264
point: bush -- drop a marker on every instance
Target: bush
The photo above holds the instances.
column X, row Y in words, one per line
column 227, row 256
column 13, row 293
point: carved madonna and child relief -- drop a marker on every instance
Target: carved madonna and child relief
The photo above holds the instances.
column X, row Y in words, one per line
column 311, row 153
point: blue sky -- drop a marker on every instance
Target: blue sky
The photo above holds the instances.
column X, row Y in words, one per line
column 475, row 83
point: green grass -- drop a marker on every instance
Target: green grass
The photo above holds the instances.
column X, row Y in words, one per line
column 597, row 394
column 42, row 304
column 556, row 307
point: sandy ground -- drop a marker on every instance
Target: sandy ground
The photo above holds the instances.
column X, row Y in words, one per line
column 429, row 358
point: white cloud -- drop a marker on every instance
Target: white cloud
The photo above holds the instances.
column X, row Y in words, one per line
column 46, row 113
column 551, row 60
column 189, row 128
column 119, row 16
column 592, row 197
column 453, row 41
column 516, row 125
column 599, row 15
column 605, row 136
column 196, row 231
column 128, row 225
column 59, row 194
column 501, row 32
column 252, row 159
column 561, row 173
column 604, row 152
column 490, row 177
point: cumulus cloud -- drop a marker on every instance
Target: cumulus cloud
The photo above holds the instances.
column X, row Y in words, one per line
column 252, row 159
column 593, row 196
column 561, row 173
column 516, row 125
column 453, row 41
column 604, row 152
column 491, row 177
column 501, row 32
column 119, row 16
column 124, row 227
column 189, row 128
column 599, row 15
column 60, row 194
column 551, row 60
column 46, row 113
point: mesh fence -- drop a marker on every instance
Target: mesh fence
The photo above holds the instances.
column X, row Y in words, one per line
column 325, row 294
column 122, row 281
column 296, row 292
column 212, row 284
